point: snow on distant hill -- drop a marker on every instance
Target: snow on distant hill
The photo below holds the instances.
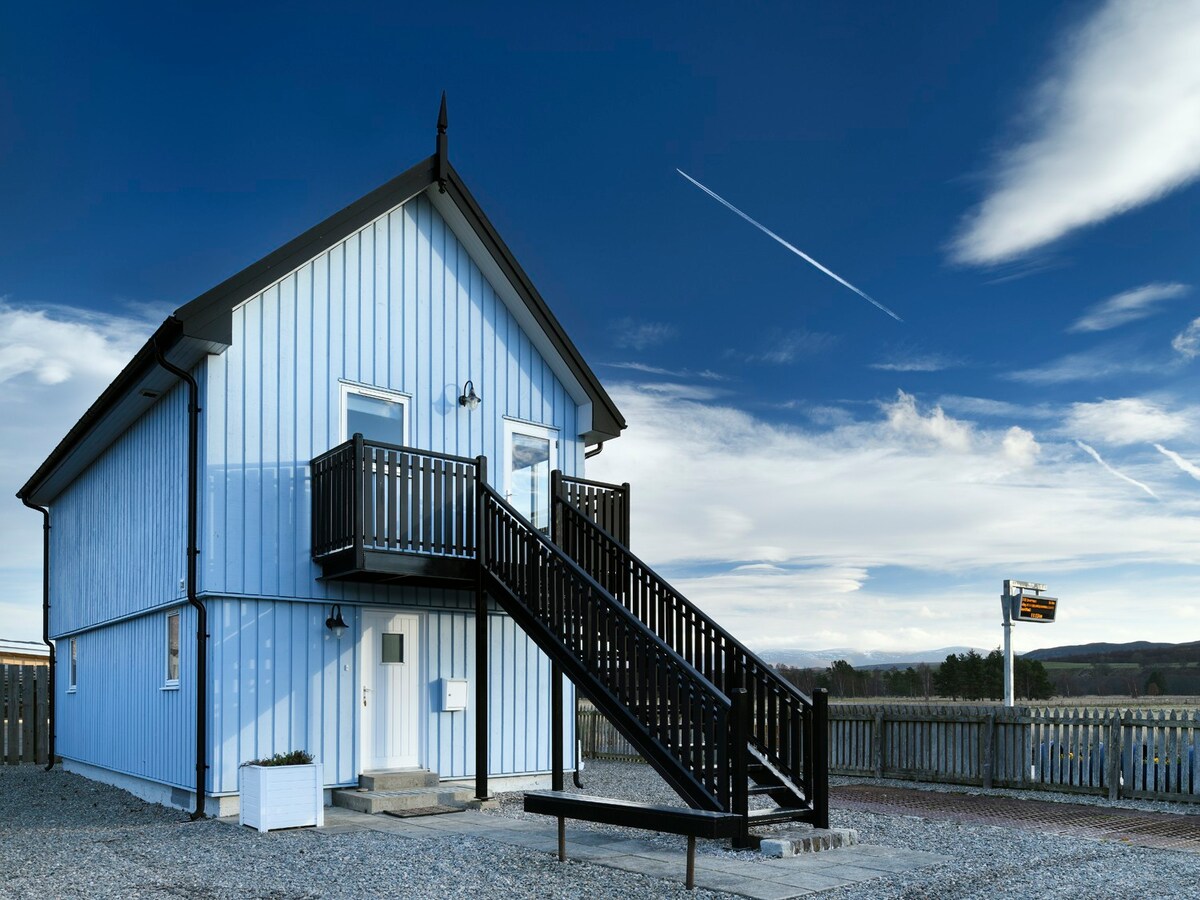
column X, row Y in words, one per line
column 821, row 659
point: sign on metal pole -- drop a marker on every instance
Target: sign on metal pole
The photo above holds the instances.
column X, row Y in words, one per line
column 1022, row 601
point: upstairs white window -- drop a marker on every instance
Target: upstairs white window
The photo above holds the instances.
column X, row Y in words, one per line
column 172, row 650
column 375, row 413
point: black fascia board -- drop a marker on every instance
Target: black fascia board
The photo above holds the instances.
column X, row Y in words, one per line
column 606, row 418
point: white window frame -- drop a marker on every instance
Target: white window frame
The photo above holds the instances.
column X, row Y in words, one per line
column 377, row 393
column 73, row 667
column 169, row 683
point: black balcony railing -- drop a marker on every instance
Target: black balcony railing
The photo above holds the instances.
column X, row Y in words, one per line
column 371, row 498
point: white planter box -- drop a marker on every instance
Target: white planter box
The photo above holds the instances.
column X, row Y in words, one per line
column 281, row 796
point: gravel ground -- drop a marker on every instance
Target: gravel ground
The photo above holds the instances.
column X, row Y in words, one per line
column 64, row 836
column 987, row 861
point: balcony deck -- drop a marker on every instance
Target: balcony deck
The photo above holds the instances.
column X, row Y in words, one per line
column 387, row 514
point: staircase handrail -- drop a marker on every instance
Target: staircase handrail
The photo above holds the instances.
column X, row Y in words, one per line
column 676, row 661
column 786, row 738
column 700, row 614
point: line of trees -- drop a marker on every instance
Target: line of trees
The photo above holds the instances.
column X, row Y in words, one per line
column 962, row 676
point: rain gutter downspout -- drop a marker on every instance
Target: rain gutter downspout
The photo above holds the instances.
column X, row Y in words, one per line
column 46, row 621
column 193, row 551
column 595, row 451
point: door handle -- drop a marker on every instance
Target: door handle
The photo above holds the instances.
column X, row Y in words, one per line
column 366, row 690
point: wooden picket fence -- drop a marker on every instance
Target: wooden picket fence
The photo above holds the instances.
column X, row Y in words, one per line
column 24, row 714
column 1150, row 754
column 1118, row 753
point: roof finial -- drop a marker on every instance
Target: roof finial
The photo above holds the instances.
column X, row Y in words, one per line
column 442, row 165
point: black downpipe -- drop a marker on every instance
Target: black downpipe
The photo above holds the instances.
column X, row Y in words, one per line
column 193, row 552
column 46, row 621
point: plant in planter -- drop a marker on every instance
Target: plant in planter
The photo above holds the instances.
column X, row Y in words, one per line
column 283, row 791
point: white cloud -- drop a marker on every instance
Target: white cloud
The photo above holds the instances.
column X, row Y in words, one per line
column 54, row 362
column 1116, row 124
column 1128, row 420
column 1187, row 342
column 785, row 348
column 1020, row 446
column 640, row 335
column 932, row 362
column 849, row 515
column 904, row 419
column 1128, row 306
column 1103, row 362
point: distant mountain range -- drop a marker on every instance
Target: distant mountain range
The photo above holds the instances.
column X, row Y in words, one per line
column 1141, row 652
column 860, row 659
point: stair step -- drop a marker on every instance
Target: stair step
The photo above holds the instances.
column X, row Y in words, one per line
column 395, row 801
column 397, row 779
column 778, row 814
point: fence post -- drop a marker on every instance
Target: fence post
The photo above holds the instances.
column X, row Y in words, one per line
column 987, row 742
column 1113, row 760
column 877, row 744
column 820, row 760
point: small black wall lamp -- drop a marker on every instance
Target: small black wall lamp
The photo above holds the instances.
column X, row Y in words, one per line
column 335, row 622
column 469, row 398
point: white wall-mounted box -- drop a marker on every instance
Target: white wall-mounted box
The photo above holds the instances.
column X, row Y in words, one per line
column 454, row 694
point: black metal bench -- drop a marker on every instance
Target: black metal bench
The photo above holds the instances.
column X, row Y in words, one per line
column 693, row 823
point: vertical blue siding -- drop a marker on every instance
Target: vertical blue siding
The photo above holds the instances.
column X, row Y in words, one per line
column 120, row 717
column 518, row 699
column 281, row 681
column 399, row 305
column 118, row 530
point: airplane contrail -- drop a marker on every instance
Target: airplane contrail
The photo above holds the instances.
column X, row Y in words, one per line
column 800, row 253
column 1096, row 456
column 1174, row 457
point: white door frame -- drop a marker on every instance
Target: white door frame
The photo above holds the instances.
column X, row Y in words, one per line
column 533, row 429
column 366, row 684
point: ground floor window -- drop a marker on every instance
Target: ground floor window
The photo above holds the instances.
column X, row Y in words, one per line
column 172, row 650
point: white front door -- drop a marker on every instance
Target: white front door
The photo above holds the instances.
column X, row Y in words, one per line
column 530, row 453
column 391, row 698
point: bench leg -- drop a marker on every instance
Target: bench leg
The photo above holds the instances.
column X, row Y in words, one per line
column 562, row 839
column 691, row 869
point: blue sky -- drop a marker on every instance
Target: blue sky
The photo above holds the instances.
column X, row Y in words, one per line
column 1016, row 180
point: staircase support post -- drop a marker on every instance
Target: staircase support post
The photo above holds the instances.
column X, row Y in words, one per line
column 739, row 785
column 820, row 758
column 481, row 634
column 556, row 692
column 556, row 727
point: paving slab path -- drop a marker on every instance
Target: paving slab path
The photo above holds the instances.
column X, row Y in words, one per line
column 1162, row 831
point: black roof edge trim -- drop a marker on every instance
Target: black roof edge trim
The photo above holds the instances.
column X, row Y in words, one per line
column 613, row 423
column 168, row 334
column 207, row 316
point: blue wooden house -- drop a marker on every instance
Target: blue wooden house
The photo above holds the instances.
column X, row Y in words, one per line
column 337, row 503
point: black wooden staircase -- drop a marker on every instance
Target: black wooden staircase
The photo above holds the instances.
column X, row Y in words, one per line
column 785, row 753
column 714, row 720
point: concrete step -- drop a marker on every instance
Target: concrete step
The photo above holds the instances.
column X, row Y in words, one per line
column 397, row 779
column 409, row 798
column 813, row 840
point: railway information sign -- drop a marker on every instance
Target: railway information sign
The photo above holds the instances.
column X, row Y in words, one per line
column 1034, row 608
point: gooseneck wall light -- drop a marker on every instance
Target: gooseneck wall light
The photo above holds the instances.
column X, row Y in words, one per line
column 469, row 398
column 335, row 622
